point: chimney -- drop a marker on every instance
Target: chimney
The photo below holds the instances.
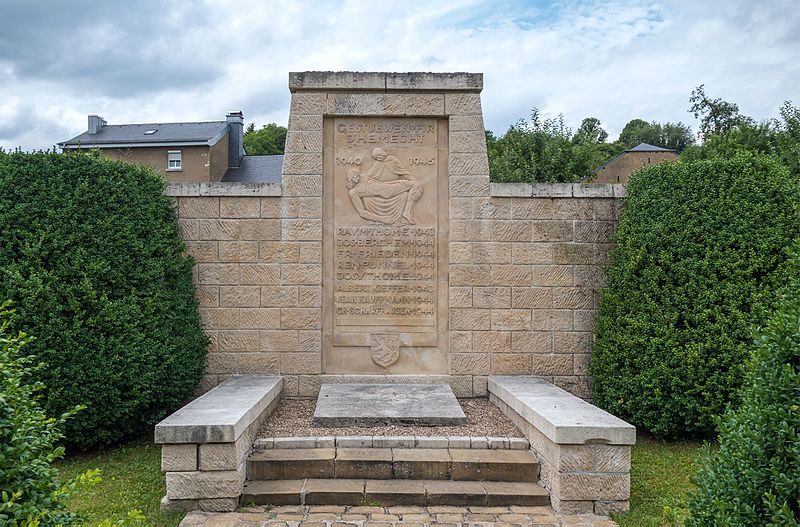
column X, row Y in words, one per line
column 235, row 139
column 96, row 123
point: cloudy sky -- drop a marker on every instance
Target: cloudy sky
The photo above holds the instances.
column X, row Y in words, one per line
column 186, row 60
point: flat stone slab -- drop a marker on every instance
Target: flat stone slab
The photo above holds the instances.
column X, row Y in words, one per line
column 222, row 414
column 364, row 405
column 560, row 416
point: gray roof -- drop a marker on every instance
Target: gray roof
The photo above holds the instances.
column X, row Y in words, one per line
column 261, row 169
column 644, row 147
column 205, row 133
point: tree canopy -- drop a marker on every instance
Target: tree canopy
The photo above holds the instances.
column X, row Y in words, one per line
column 668, row 135
column 267, row 140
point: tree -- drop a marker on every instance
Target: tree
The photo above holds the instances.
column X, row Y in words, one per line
column 270, row 139
column 590, row 132
column 716, row 116
column 753, row 479
column 676, row 136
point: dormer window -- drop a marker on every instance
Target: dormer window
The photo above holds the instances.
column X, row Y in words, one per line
column 174, row 160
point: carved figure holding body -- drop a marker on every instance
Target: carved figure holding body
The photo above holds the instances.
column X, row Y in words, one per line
column 386, row 193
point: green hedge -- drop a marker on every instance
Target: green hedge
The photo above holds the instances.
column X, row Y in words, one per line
column 754, row 477
column 90, row 254
column 699, row 254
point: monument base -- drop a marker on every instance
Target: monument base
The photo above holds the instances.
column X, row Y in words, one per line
column 359, row 405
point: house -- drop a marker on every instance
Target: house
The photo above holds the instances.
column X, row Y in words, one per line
column 183, row 152
column 619, row 169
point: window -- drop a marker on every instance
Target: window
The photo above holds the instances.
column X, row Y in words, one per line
column 174, row 160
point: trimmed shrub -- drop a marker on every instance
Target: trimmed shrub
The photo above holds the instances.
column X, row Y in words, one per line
column 91, row 255
column 30, row 490
column 754, row 477
column 699, row 252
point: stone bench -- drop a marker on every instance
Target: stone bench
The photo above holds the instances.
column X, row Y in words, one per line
column 584, row 452
column 205, row 444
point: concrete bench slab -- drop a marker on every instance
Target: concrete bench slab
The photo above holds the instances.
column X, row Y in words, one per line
column 223, row 414
column 560, row 416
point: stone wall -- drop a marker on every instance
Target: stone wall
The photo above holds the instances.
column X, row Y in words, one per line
column 525, row 261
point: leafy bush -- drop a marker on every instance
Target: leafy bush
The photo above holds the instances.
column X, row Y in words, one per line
column 546, row 150
column 30, row 490
column 699, row 252
column 754, row 477
column 91, row 255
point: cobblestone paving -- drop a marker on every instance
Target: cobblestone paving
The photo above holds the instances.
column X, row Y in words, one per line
column 340, row 516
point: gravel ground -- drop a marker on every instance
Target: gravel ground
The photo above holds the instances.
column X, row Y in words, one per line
column 292, row 418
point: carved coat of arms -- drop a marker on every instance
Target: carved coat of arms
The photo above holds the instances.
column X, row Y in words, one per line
column 385, row 349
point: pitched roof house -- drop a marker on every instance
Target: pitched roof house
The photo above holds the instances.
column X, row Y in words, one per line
column 619, row 169
column 185, row 152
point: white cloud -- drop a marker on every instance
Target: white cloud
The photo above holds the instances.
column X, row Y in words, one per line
column 615, row 60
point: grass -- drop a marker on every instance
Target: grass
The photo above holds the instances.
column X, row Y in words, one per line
column 132, row 479
column 660, row 472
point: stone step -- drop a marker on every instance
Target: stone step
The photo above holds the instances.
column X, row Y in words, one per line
column 393, row 492
column 393, row 463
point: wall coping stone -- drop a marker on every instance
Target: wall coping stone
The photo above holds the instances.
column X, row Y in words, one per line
column 558, row 190
column 358, row 81
column 222, row 414
column 223, row 189
column 560, row 416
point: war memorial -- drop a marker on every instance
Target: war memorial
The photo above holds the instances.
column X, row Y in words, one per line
column 387, row 281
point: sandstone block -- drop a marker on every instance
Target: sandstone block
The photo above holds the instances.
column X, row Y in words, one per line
column 204, row 485
column 572, row 342
column 301, row 318
column 260, row 229
column 532, row 209
column 574, row 458
column 510, row 190
column 178, row 458
column 460, row 296
column 592, row 486
column 301, row 363
column 306, row 123
column 301, row 229
column 301, row 274
column 198, row 207
column 460, row 252
column 301, row 164
column 239, row 296
column 218, row 456
column 465, row 186
column 468, row 275
column 280, row 296
column 532, row 297
column 585, row 319
column 491, row 341
column 239, row 340
column 491, row 252
column 203, row 251
column 259, row 274
column 259, row 318
column 470, row 319
column 208, row 295
column 427, row 104
column 285, row 340
column 469, row 364
column 581, row 363
column 214, row 318
column 462, row 104
column 593, row 276
column 311, row 252
column 532, row 253
column 257, row 363
column 310, row 340
column 468, row 164
column 479, row 386
column 510, row 275
column 461, row 208
column 491, row 297
column 592, row 190
column 531, row 341
column 239, row 207
column 607, row 508
column 366, row 104
column 492, row 208
column 552, row 190
column 309, row 207
column 459, row 123
column 219, row 229
column 511, row 319
column 511, row 364
column 308, row 104
column 222, row 363
column 552, row 319
column 310, row 296
column 460, row 341
column 238, row 251
column 552, row 231
column 594, row 231
column 303, row 184
column 467, row 142
column 572, row 298
column 190, row 229
column 573, row 253
column 612, row 458
column 553, row 275
column 304, row 142
column 283, row 252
